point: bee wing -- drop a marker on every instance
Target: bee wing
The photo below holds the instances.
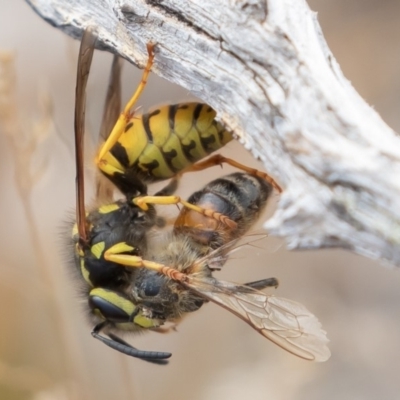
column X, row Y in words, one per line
column 218, row 257
column 84, row 62
column 112, row 109
column 286, row 323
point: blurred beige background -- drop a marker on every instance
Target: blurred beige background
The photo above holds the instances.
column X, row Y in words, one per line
column 46, row 350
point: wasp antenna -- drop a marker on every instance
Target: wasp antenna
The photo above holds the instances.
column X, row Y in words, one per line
column 155, row 357
column 116, row 343
column 84, row 62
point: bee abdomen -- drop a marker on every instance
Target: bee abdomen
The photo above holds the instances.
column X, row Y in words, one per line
column 239, row 196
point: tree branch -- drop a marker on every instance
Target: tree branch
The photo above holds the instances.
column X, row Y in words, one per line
column 265, row 67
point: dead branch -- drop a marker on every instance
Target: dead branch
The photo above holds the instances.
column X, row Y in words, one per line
column 265, row 67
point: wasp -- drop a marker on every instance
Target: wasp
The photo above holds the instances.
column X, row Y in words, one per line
column 103, row 283
column 128, row 221
column 134, row 285
column 164, row 143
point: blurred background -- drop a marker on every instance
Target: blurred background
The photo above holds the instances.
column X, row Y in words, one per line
column 46, row 350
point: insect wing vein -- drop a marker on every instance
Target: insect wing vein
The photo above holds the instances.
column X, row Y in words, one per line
column 286, row 323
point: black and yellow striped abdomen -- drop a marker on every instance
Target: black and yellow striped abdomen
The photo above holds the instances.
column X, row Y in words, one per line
column 159, row 144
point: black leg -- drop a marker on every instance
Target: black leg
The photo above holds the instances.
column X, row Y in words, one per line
column 116, row 343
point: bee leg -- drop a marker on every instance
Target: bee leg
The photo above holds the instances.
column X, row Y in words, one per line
column 126, row 114
column 143, row 202
column 219, row 159
column 116, row 343
column 263, row 283
column 164, row 329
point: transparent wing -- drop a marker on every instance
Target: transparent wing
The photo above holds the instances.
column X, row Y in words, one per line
column 111, row 112
column 112, row 106
column 286, row 323
column 232, row 250
column 216, row 258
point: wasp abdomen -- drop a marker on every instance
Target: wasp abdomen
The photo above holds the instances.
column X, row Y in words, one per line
column 159, row 144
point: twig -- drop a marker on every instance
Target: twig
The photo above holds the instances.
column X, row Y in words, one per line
column 267, row 70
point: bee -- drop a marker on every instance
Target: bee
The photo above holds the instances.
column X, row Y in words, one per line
column 178, row 277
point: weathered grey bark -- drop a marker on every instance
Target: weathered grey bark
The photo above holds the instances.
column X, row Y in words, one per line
column 265, row 67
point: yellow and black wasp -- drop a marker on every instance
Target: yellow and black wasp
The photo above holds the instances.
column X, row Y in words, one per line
column 104, row 282
column 135, row 285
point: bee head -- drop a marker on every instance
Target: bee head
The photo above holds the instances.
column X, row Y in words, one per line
column 163, row 297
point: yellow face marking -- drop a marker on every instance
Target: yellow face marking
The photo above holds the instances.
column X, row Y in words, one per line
column 85, row 272
column 97, row 249
column 108, row 208
column 126, row 305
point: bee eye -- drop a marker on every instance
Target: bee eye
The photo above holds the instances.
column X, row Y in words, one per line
column 151, row 290
column 151, row 287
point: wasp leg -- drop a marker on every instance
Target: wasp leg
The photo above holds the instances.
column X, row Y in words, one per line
column 126, row 114
column 115, row 254
column 143, row 202
column 116, row 343
column 84, row 63
column 219, row 159
column 169, row 189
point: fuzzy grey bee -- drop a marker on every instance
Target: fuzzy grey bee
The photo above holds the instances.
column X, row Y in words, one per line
column 179, row 278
